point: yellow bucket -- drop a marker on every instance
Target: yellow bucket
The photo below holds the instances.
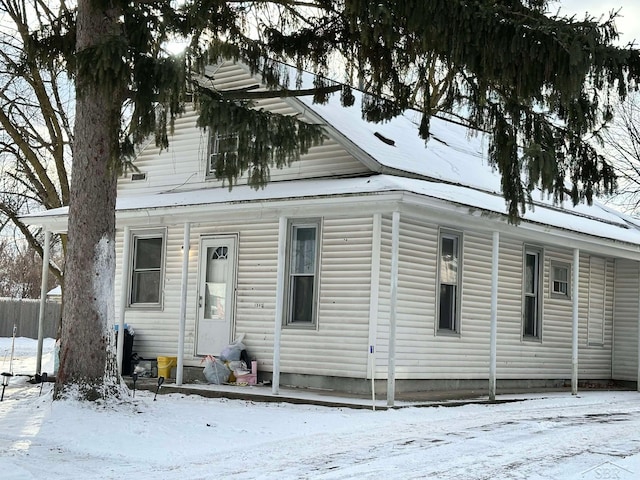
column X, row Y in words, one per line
column 165, row 364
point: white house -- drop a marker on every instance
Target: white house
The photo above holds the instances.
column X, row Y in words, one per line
column 374, row 256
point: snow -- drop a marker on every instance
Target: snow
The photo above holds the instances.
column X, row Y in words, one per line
column 534, row 436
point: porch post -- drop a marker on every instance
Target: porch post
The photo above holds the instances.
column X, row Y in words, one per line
column 395, row 246
column 183, row 301
column 277, row 328
column 575, row 293
column 374, row 301
column 43, row 299
column 494, row 316
column 126, row 242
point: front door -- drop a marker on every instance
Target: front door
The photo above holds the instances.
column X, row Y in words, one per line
column 216, row 294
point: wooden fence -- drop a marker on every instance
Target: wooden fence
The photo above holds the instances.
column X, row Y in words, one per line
column 24, row 314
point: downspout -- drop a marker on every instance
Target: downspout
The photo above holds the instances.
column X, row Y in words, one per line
column 277, row 328
column 43, row 299
column 126, row 245
column 183, row 301
column 574, row 291
column 494, row 316
column 395, row 246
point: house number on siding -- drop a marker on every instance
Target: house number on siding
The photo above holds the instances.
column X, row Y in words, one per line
column 259, row 305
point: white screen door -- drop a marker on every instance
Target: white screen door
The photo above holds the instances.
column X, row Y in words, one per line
column 216, row 294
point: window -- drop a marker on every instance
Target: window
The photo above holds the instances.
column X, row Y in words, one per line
column 449, row 277
column 223, row 148
column 302, row 289
column 146, row 268
column 532, row 299
column 560, row 274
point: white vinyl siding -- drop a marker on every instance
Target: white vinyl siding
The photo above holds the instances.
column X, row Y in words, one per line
column 596, row 314
column 420, row 353
column 597, row 297
column 339, row 346
column 184, row 165
column 517, row 359
column 625, row 354
column 342, row 307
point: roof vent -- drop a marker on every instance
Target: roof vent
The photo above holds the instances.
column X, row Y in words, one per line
column 136, row 177
column 384, row 139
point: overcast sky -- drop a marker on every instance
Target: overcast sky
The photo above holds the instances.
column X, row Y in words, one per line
column 628, row 23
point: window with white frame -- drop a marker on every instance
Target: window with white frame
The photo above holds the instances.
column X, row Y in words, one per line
column 302, row 272
column 560, row 274
column 147, row 265
column 532, row 296
column 449, row 279
column 223, row 148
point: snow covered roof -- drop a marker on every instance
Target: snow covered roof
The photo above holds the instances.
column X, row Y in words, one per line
column 597, row 221
column 452, row 167
column 452, row 154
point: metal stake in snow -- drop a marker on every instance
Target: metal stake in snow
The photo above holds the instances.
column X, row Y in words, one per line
column 43, row 378
column 134, row 377
column 9, row 374
column 160, row 382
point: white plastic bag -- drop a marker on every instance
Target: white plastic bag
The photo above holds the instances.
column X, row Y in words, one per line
column 215, row 371
column 232, row 352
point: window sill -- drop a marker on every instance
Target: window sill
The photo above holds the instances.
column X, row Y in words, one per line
column 448, row 333
column 146, row 307
column 301, row 326
column 531, row 339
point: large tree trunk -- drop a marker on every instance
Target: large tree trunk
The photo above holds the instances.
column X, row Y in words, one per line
column 87, row 356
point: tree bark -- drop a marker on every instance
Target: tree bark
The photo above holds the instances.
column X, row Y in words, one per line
column 87, row 355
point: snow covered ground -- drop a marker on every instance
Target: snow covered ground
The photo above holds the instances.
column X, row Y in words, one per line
column 595, row 435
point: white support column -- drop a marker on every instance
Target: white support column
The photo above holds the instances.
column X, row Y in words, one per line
column 43, row 299
column 186, row 243
column 126, row 245
column 494, row 316
column 575, row 293
column 374, row 294
column 277, row 328
column 395, row 246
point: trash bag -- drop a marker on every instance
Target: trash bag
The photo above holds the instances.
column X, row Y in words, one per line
column 232, row 352
column 215, row 371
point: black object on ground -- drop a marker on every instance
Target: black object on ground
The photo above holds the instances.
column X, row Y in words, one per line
column 134, row 377
column 160, row 382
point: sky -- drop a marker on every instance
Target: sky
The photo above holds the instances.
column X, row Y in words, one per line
column 592, row 435
column 628, row 23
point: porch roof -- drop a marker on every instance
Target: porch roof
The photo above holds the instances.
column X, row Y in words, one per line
column 596, row 220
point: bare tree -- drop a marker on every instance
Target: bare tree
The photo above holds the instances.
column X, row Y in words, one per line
column 621, row 145
column 36, row 131
column 21, row 270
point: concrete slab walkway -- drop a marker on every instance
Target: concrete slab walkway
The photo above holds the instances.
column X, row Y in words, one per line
column 331, row 398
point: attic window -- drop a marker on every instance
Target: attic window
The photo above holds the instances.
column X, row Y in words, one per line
column 384, row 139
column 136, row 177
column 223, row 148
